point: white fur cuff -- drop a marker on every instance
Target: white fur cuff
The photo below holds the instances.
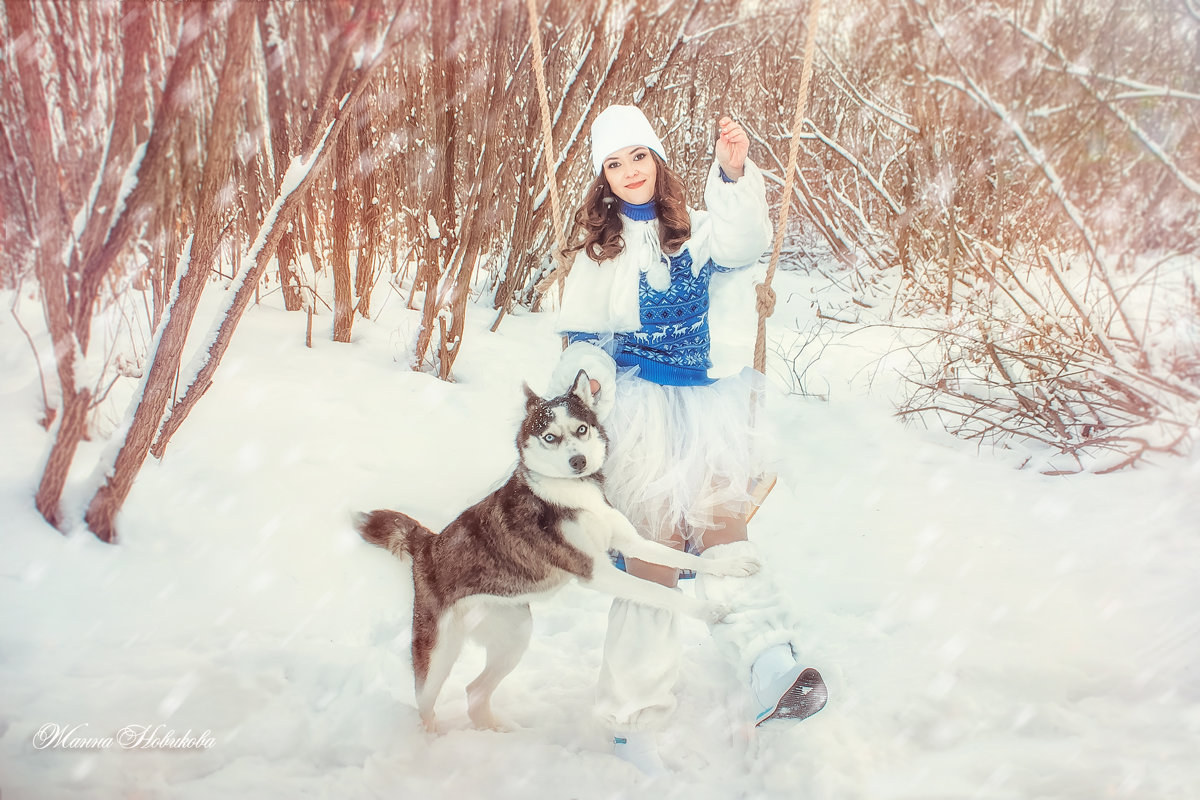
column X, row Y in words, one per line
column 741, row 226
column 763, row 617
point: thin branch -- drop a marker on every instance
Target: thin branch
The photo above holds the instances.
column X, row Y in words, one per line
column 49, row 414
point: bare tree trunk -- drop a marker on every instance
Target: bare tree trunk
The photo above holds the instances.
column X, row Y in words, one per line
column 218, row 167
column 123, row 142
column 343, row 205
column 438, row 179
column 177, row 215
column 281, row 152
column 256, row 183
column 369, row 224
column 51, row 271
column 452, row 333
column 516, row 273
column 310, row 234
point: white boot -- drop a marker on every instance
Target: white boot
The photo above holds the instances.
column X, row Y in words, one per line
column 635, row 695
column 773, row 673
column 759, row 639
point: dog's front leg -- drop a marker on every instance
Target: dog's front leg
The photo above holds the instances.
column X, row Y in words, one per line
column 609, row 579
column 625, row 538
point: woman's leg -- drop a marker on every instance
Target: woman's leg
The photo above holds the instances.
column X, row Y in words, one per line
column 760, row 640
column 727, row 528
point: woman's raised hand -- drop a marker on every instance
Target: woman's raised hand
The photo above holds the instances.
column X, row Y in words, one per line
column 732, row 146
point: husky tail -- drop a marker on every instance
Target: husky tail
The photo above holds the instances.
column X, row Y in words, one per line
column 391, row 530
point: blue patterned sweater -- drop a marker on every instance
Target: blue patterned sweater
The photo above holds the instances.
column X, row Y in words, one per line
column 672, row 347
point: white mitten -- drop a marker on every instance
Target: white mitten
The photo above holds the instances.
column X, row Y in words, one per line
column 598, row 365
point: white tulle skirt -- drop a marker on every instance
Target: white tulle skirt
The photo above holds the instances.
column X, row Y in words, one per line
column 683, row 457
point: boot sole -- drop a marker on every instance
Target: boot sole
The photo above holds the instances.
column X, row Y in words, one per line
column 807, row 695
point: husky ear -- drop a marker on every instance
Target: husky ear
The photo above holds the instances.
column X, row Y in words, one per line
column 531, row 398
column 582, row 388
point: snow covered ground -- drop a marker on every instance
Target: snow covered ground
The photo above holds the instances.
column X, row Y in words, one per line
column 986, row 632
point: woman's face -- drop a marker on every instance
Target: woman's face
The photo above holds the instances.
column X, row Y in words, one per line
column 631, row 174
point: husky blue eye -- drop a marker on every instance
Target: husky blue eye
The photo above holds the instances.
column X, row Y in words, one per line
column 549, row 438
column 581, row 430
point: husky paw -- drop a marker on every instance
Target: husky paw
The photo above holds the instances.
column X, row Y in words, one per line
column 716, row 612
column 497, row 725
column 737, row 566
column 489, row 722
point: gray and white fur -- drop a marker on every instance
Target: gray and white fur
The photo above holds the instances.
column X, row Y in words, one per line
column 549, row 522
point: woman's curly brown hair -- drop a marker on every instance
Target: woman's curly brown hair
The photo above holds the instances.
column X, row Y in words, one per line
column 597, row 228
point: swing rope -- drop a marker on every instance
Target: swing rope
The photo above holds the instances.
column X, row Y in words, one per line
column 765, row 302
column 762, row 485
column 560, row 241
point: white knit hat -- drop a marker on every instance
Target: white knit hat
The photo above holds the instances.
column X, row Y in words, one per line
column 618, row 127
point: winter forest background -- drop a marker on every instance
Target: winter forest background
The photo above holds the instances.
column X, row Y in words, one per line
column 1016, row 184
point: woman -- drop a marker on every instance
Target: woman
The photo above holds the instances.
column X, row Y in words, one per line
column 683, row 447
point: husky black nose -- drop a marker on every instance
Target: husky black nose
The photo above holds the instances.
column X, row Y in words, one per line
column 578, row 463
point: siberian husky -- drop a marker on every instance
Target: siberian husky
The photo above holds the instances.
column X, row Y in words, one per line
column 550, row 521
